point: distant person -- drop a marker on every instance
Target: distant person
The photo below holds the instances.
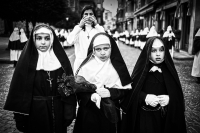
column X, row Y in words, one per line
column 14, row 46
column 152, row 32
column 156, row 102
column 196, row 51
column 34, row 98
column 23, row 39
column 169, row 39
column 116, row 37
column 82, row 34
column 62, row 37
column 137, row 45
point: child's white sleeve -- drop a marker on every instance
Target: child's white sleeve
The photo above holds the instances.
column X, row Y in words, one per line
column 99, row 28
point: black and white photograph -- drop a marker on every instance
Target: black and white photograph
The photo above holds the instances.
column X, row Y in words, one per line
column 100, row 66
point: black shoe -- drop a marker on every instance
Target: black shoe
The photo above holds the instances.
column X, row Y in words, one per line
column 198, row 82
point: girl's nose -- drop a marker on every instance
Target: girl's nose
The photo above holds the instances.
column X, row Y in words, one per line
column 102, row 52
column 158, row 53
column 43, row 41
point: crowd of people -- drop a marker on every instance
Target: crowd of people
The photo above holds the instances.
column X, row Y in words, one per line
column 110, row 100
column 137, row 38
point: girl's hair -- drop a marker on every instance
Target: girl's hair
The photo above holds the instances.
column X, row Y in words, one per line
column 88, row 7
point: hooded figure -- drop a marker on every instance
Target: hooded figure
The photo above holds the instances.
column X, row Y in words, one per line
column 105, row 68
column 154, row 115
column 152, row 32
column 169, row 39
column 33, row 95
column 23, row 39
column 14, row 46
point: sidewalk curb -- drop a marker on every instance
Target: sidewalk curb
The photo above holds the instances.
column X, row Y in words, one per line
column 5, row 61
column 182, row 59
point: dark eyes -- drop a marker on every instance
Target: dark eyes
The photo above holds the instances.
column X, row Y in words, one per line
column 45, row 38
column 88, row 14
column 161, row 49
column 99, row 49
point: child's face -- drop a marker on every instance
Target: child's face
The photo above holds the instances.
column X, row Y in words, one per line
column 88, row 13
column 157, row 52
column 102, row 51
column 42, row 41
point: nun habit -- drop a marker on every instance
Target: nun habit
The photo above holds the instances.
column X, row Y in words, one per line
column 91, row 119
column 38, row 106
column 140, row 118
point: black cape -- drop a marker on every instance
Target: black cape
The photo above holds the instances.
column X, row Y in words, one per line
column 170, row 43
column 175, row 118
column 90, row 119
column 20, row 92
column 196, row 45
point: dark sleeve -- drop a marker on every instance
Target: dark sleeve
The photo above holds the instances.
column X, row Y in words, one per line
column 85, row 98
column 173, row 41
column 70, row 103
column 117, row 94
column 21, row 121
column 9, row 44
column 196, row 45
column 142, row 97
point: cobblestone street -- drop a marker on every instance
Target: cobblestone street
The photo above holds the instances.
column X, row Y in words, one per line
column 190, row 88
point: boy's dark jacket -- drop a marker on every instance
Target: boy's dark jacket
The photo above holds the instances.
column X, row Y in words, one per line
column 175, row 119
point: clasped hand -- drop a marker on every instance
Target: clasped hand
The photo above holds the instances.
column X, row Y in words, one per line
column 86, row 18
column 154, row 100
column 96, row 99
column 100, row 93
column 103, row 92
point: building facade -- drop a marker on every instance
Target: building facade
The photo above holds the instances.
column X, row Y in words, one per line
column 182, row 15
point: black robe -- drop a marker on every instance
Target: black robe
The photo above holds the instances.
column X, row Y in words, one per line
column 196, row 45
column 14, row 45
column 90, row 119
column 47, row 114
column 29, row 95
column 174, row 119
column 168, row 42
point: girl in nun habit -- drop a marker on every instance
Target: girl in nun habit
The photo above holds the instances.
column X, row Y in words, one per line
column 23, row 39
column 14, row 46
column 169, row 39
column 104, row 67
column 33, row 95
column 156, row 102
column 82, row 34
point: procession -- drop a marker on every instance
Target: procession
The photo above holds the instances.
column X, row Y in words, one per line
column 91, row 72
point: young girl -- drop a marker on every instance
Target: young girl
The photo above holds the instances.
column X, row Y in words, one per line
column 82, row 34
column 169, row 39
column 105, row 68
column 33, row 95
column 14, row 46
column 156, row 102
